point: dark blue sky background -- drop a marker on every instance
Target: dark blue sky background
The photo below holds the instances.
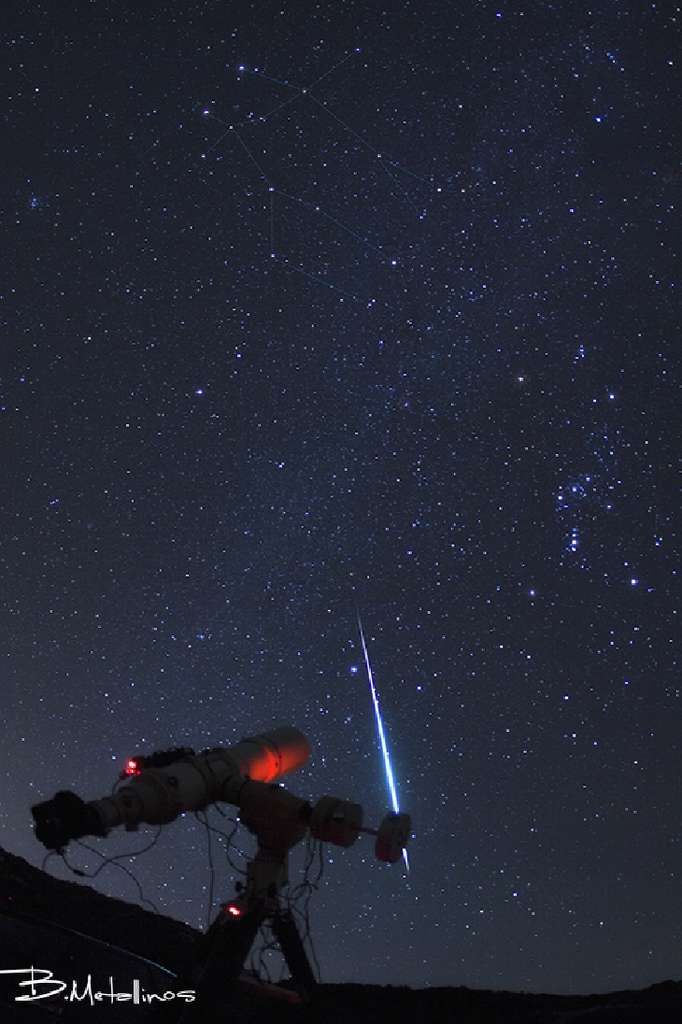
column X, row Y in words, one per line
column 308, row 305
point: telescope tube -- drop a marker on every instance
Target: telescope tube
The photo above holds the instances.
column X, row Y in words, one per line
column 160, row 794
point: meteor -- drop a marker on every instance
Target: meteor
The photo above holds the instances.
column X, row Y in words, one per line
column 380, row 730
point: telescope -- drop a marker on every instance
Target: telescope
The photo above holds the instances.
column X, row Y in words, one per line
column 158, row 788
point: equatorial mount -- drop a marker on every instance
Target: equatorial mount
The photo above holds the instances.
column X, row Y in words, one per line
column 162, row 786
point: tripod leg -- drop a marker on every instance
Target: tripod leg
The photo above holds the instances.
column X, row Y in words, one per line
column 229, row 942
column 286, row 933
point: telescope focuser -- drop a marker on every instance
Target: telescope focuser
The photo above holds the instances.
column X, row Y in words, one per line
column 63, row 818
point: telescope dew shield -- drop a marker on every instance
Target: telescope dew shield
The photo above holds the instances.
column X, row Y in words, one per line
column 270, row 755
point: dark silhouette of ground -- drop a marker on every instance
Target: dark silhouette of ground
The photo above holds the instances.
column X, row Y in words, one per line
column 75, row 932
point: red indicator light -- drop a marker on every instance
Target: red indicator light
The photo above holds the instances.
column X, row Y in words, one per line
column 235, row 911
column 132, row 767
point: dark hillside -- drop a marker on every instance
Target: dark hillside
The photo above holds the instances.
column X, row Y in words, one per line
column 73, row 931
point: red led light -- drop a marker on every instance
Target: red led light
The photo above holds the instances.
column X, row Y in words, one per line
column 132, row 767
column 235, row 911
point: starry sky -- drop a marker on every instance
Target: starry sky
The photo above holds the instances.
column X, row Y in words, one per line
column 312, row 305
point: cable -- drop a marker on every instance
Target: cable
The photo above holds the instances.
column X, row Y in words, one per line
column 211, row 884
column 113, row 859
column 50, row 853
column 236, row 822
column 118, row 856
column 224, row 835
column 269, row 944
column 312, row 888
column 121, row 867
column 303, row 892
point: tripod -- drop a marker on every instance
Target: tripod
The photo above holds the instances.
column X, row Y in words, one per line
column 227, row 943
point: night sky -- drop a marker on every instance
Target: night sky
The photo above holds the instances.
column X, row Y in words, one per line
column 310, row 305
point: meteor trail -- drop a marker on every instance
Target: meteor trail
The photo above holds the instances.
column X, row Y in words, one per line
column 380, row 729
